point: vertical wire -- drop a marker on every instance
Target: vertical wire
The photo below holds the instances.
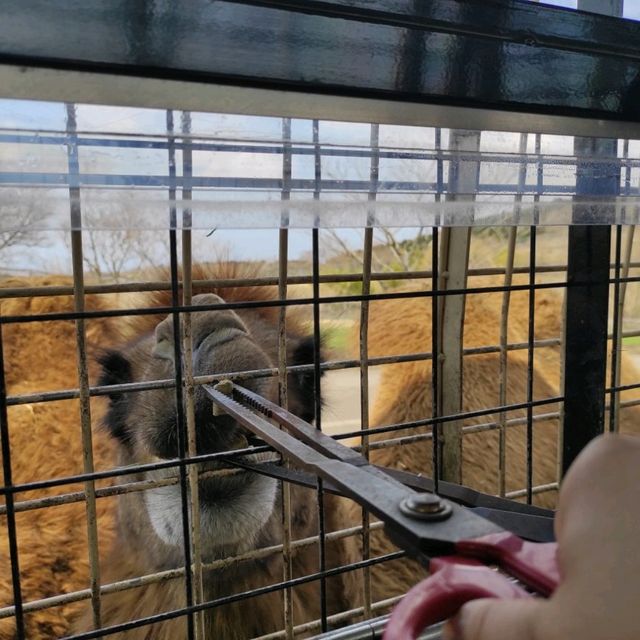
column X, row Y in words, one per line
column 563, row 342
column 7, row 491
column 615, row 339
column 530, row 360
column 532, row 307
column 539, row 178
column 187, row 364
column 626, row 261
column 504, row 315
column 315, row 250
column 283, row 255
column 622, row 271
column 435, row 360
column 435, row 316
column 374, row 174
column 318, row 419
column 81, row 350
column 439, row 165
column 180, row 417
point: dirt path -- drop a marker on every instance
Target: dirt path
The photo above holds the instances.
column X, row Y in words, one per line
column 341, row 390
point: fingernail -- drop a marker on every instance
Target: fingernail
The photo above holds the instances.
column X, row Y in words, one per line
column 452, row 630
column 454, row 627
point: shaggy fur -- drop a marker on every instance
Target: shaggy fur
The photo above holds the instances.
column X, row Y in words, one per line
column 46, row 443
column 138, row 532
column 405, row 395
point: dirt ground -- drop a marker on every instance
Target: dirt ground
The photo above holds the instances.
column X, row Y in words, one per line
column 341, row 391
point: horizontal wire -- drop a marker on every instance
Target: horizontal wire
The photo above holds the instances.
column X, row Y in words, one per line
column 144, row 485
column 338, row 278
column 179, row 462
column 171, row 574
column 279, row 586
column 289, row 302
column 343, row 616
column 331, row 365
column 162, row 142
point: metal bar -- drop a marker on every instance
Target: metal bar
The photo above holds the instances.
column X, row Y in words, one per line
column 7, row 478
column 531, row 360
column 83, row 371
column 315, row 259
column 239, row 184
column 587, row 303
column 574, row 45
column 144, row 485
column 45, row 484
column 218, row 602
column 435, row 322
column 252, row 304
column 615, row 399
column 454, row 260
column 88, row 87
column 616, row 342
column 218, row 144
column 182, row 435
column 436, row 401
column 370, row 629
column 172, row 574
column 504, row 321
column 189, row 388
column 283, row 255
column 367, row 254
column 138, row 287
column 329, row 365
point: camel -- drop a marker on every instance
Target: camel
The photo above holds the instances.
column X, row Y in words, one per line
column 405, row 395
column 140, row 533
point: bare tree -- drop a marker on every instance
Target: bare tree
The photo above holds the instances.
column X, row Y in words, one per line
column 117, row 243
column 22, row 218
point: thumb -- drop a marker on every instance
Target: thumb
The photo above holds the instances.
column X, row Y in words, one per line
column 492, row 619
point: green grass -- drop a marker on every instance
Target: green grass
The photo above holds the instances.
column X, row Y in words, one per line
column 633, row 340
column 337, row 336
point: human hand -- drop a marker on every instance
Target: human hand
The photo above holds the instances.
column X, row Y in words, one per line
column 598, row 532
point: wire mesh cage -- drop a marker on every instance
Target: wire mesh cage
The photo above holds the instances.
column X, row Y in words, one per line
column 385, row 294
column 458, row 305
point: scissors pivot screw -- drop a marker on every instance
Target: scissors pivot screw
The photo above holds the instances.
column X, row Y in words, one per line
column 425, row 506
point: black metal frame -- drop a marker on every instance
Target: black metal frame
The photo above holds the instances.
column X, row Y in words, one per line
column 251, row 43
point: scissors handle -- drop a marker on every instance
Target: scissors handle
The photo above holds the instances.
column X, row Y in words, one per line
column 457, row 579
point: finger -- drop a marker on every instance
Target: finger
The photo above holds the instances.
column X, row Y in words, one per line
column 583, row 503
column 490, row 619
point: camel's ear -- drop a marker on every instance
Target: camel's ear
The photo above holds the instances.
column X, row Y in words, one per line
column 303, row 383
column 116, row 369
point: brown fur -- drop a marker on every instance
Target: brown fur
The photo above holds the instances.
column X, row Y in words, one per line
column 45, row 442
column 404, row 394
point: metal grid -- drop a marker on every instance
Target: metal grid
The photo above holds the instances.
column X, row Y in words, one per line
column 444, row 418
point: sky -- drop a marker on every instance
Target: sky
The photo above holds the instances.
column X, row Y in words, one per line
column 251, row 242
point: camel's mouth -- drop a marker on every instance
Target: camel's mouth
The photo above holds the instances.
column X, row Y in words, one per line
column 223, row 474
column 235, row 503
column 235, row 466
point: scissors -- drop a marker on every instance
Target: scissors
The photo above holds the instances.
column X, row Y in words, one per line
column 470, row 553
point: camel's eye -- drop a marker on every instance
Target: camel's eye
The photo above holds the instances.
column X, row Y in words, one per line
column 163, row 349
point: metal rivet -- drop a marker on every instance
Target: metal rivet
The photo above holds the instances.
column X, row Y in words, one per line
column 425, row 506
